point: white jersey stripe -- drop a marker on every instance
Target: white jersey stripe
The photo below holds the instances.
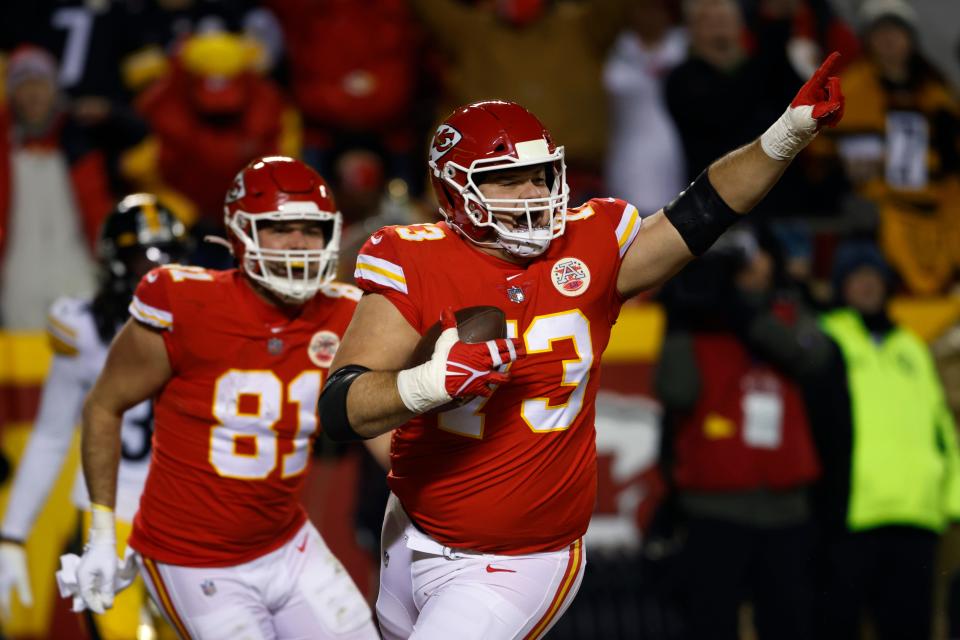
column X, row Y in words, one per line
column 150, row 315
column 59, row 331
column 62, row 329
column 374, row 274
column 628, row 228
column 385, row 267
column 494, row 353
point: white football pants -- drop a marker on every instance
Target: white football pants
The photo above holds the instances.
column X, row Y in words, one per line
column 297, row 592
column 432, row 592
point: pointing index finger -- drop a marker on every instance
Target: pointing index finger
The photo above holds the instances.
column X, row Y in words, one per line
column 826, row 69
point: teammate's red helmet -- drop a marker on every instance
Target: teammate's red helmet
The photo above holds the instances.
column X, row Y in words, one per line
column 280, row 188
column 489, row 136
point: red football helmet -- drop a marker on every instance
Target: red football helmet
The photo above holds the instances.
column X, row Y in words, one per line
column 281, row 188
column 490, row 136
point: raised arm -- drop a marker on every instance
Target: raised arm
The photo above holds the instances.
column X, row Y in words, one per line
column 729, row 188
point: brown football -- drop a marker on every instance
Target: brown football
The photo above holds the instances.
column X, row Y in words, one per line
column 475, row 324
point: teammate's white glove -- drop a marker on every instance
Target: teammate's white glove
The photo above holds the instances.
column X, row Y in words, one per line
column 98, row 566
column 456, row 369
column 819, row 103
column 68, row 582
column 13, row 575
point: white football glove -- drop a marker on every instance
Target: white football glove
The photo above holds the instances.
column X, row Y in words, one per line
column 97, row 572
column 13, row 575
column 68, row 583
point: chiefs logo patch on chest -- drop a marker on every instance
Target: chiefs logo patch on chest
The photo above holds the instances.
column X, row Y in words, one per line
column 570, row 276
column 323, row 346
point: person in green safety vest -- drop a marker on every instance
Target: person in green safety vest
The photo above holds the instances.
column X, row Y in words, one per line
column 891, row 466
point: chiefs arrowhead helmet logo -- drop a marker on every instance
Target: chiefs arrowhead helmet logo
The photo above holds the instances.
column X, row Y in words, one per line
column 444, row 139
column 237, row 189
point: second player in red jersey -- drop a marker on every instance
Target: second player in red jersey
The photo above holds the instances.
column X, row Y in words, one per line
column 237, row 418
column 235, row 361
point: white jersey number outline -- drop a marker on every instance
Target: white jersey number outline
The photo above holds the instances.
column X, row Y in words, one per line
column 420, row 232
column 538, row 414
column 257, row 427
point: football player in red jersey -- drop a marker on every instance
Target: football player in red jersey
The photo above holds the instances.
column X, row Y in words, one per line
column 483, row 533
column 234, row 361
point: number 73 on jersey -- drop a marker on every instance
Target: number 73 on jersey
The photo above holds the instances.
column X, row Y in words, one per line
column 539, row 415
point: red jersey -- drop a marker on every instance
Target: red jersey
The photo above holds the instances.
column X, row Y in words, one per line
column 233, row 425
column 515, row 473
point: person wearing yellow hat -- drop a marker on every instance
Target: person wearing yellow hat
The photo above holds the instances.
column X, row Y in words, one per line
column 214, row 110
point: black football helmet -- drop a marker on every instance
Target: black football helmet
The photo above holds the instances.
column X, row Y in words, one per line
column 140, row 233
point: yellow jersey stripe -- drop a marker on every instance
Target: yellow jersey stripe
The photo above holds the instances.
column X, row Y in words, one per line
column 165, row 602
column 573, row 569
column 630, row 229
column 383, row 272
column 143, row 316
column 61, row 327
column 61, row 347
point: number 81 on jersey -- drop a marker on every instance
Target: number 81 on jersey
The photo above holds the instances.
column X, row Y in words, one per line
column 249, row 407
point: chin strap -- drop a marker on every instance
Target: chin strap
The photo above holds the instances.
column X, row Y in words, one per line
column 223, row 242
column 532, row 252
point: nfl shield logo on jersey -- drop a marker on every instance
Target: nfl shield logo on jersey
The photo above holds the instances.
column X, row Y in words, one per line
column 208, row 587
column 570, row 276
column 515, row 294
column 274, row 346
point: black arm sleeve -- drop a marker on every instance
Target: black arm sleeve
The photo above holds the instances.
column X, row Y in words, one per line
column 332, row 406
column 700, row 215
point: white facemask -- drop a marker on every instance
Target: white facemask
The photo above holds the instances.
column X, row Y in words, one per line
column 294, row 275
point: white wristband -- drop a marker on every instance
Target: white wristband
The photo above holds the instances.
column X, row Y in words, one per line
column 790, row 133
column 422, row 388
column 102, row 525
column 417, row 392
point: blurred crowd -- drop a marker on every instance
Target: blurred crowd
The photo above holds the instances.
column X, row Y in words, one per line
column 787, row 487
column 174, row 96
